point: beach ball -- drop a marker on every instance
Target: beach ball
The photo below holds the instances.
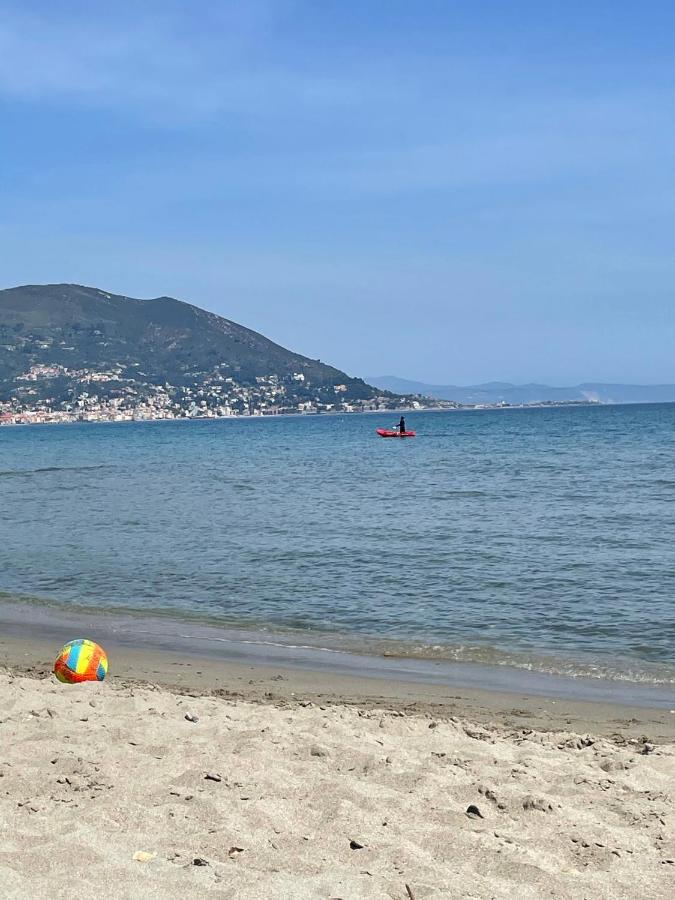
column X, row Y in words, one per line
column 81, row 660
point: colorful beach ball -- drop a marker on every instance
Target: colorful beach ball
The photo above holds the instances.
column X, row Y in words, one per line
column 81, row 660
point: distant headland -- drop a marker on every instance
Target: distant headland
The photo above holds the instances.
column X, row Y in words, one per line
column 71, row 353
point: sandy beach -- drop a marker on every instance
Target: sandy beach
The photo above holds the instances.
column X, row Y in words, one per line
column 234, row 781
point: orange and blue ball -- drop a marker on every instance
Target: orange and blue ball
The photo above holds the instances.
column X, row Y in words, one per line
column 81, row 660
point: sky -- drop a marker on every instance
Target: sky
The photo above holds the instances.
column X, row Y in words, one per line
column 452, row 192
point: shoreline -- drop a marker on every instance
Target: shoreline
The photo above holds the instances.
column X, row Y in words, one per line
column 389, row 658
column 182, row 658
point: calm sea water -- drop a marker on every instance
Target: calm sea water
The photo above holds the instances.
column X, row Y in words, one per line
column 537, row 538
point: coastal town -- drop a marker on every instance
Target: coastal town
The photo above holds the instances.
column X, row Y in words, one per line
column 71, row 353
column 109, row 396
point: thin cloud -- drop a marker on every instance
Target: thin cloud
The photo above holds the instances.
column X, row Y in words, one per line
column 151, row 63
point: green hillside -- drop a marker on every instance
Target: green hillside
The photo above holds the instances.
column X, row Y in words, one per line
column 60, row 341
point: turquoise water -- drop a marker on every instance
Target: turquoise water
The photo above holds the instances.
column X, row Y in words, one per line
column 540, row 538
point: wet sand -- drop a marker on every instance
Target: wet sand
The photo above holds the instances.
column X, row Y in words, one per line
column 194, row 675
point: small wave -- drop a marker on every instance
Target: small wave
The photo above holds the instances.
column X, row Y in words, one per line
column 630, row 671
column 625, row 670
column 26, row 473
column 449, row 495
column 214, row 629
column 258, row 642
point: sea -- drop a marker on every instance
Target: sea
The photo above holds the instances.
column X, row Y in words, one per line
column 534, row 539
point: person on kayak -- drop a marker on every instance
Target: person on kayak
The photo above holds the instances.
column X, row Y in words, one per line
column 401, row 426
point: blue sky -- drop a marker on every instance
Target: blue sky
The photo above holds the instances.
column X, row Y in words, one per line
column 445, row 191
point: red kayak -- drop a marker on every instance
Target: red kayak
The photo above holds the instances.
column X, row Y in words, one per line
column 385, row 432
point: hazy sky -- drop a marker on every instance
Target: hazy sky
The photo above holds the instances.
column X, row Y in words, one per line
column 446, row 191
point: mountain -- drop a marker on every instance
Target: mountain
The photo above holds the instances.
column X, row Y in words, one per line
column 498, row 392
column 67, row 347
